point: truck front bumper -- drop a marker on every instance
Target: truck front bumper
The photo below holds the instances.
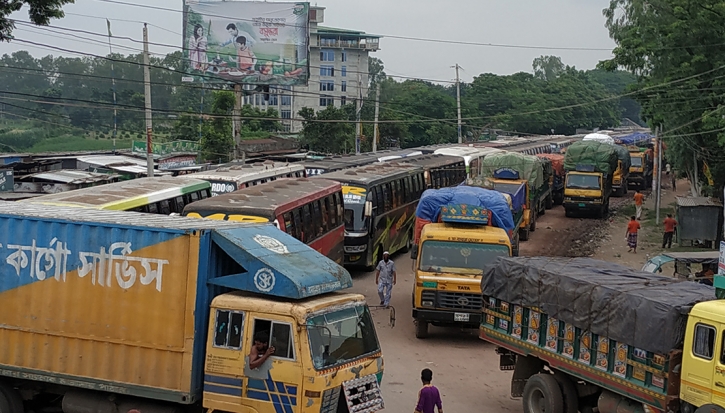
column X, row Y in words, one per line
column 582, row 205
column 447, row 317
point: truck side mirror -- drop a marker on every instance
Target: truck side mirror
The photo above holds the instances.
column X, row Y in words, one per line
column 414, row 252
column 368, row 208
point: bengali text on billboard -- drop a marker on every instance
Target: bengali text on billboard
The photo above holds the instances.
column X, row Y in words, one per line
column 261, row 43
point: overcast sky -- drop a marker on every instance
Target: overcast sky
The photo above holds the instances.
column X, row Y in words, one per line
column 544, row 23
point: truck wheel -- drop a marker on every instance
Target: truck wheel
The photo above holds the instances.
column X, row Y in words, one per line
column 421, row 329
column 408, row 243
column 524, row 234
column 568, row 213
column 625, row 188
column 533, row 223
column 515, row 250
column 10, row 400
column 542, row 395
column 549, row 201
column 568, row 390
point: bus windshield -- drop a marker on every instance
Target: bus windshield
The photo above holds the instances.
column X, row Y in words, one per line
column 355, row 219
column 341, row 336
column 455, row 257
column 577, row 181
column 636, row 161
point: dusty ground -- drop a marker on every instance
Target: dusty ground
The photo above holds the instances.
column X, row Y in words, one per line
column 465, row 368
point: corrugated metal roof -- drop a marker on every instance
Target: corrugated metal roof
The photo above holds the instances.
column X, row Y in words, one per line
column 108, row 160
column 68, row 176
column 697, row 201
column 120, row 218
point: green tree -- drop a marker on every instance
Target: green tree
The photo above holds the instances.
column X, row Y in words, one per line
column 548, row 67
column 328, row 130
column 40, row 12
column 673, row 47
column 217, row 141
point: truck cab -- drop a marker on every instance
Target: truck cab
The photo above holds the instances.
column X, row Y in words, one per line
column 327, row 357
column 508, row 181
column 619, row 180
column 449, row 265
column 587, row 191
column 640, row 173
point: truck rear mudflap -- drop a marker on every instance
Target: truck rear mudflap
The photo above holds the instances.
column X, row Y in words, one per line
column 448, row 317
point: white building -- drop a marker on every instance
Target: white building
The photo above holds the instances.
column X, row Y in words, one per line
column 338, row 69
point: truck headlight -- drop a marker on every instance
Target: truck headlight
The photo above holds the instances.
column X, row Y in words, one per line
column 567, row 199
column 356, row 248
column 427, row 303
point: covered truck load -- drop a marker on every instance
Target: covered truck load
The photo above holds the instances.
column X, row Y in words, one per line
column 433, row 200
column 529, row 168
column 601, row 156
column 623, row 156
column 637, row 308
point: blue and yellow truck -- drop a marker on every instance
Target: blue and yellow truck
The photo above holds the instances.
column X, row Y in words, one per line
column 117, row 312
column 582, row 335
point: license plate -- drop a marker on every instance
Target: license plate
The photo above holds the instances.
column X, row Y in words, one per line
column 582, row 205
column 460, row 316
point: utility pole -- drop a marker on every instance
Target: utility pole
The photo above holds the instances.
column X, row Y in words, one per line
column 237, row 119
column 358, row 110
column 376, row 132
column 458, row 102
column 658, row 201
column 147, row 93
column 113, row 82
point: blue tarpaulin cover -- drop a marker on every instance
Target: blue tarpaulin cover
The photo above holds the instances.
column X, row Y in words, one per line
column 634, row 138
column 433, row 200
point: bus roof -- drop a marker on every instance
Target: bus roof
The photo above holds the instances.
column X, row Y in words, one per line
column 430, row 161
column 244, row 171
column 264, row 199
column 124, row 195
column 372, row 174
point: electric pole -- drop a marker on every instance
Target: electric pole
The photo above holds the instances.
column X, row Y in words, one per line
column 358, row 110
column 376, row 132
column 658, row 172
column 147, row 93
column 237, row 119
column 113, row 82
column 458, row 102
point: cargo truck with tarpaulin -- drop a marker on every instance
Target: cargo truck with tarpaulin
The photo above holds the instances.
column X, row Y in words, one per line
column 118, row 312
column 620, row 185
column 458, row 231
column 589, row 166
column 557, row 177
column 506, row 171
column 581, row 335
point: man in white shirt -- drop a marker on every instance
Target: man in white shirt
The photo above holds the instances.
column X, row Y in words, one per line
column 385, row 278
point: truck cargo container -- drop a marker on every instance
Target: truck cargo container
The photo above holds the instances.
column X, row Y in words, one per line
column 589, row 166
column 581, row 334
column 116, row 312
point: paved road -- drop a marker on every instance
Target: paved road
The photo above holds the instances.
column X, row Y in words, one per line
column 465, row 368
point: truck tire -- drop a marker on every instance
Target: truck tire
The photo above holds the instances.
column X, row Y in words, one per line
column 421, row 329
column 515, row 250
column 543, row 395
column 524, row 234
column 568, row 213
column 568, row 390
column 10, row 400
column 549, row 201
column 533, row 223
column 408, row 243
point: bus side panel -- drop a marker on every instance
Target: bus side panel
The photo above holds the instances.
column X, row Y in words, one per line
column 331, row 244
column 95, row 306
column 393, row 229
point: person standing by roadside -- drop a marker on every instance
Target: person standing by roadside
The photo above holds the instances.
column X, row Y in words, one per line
column 631, row 235
column 638, row 202
column 670, row 227
column 385, row 278
column 428, row 397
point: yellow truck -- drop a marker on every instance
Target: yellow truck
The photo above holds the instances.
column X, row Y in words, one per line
column 118, row 312
column 583, row 335
column 620, row 177
column 640, row 173
column 589, row 166
column 453, row 242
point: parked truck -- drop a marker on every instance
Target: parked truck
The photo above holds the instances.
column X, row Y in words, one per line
column 458, row 231
column 557, row 177
column 589, row 166
column 620, row 178
column 581, row 334
column 640, row 172
column 117, row 312
column 506, row 171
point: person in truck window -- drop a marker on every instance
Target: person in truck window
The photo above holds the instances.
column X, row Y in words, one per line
column 261, row 350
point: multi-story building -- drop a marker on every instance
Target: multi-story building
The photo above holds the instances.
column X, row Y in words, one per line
column 338, row 72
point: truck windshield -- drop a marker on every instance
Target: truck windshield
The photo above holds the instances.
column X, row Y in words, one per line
column 341, row 336
column 578, row 181
column 636, row 162
column 355, row 219
column 506, row 188
column 453, row 257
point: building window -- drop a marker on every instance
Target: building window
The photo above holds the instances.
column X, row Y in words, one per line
column 286, row 114
column 273, row 101
column 343, row 100
column 344, row 71
column 326, row 101
column 285, row 100
column 327, row 41
column 327, row 86
column 343, row 86
column 327, row 55
column 344, row 55
column 327, row 71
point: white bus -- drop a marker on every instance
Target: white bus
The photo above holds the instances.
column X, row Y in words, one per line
column 472, row 155
column 228, row 179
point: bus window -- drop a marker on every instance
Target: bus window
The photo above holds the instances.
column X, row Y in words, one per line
column 206, row 193
column 330, row 210
column 177, row 205
column 387, row 198
column 319, row 219
column 164, row 207
column 297, row 219
column 289, row 225
column 153, row 209
column 399, row 199
column 195, row 196
column 308, row 224
column 378, row 198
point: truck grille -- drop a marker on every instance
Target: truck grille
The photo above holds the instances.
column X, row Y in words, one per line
column 459, row 301
column 428, row 295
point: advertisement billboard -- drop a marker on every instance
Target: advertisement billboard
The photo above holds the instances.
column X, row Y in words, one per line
column 259, row 43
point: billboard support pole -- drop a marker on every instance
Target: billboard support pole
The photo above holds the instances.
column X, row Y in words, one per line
column 376, row 132
column 458, row 103
column 147, row 93
column 237, row 119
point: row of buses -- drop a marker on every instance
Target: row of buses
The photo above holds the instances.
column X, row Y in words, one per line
column 349, row 208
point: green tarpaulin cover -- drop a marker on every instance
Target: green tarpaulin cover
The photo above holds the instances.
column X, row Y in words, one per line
column 623, row 155
column 602, row 156
column 529, row 167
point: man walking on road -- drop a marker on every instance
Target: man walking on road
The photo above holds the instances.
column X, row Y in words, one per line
column 638, row 201
column 631, row 234
column 429, row 397
column 385, row 278
column 670, row 227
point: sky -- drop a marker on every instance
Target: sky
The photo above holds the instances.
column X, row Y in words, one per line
column 544, row 24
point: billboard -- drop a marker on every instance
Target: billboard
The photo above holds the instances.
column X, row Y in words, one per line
column 259, row 43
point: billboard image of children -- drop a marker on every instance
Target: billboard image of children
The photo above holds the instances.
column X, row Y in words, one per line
column 245, row 56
